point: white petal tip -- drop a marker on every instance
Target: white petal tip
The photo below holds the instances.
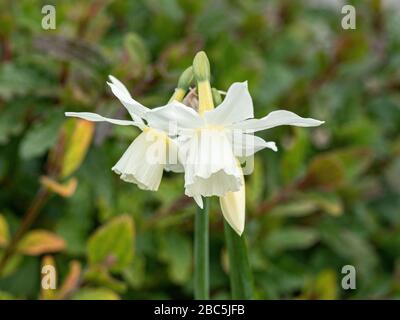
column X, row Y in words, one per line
column 317, row 123
column 238, row 230
column 199, row 201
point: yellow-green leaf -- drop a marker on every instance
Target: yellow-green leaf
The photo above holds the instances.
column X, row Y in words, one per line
column 97, row 275
column 95, row 294
column 78, row 136
column 4, row 232
column 112, row 244
column 38, row 242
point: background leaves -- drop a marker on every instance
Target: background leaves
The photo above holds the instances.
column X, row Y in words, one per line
column 328, row 198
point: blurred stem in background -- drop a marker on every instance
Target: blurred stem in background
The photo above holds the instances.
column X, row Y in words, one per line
column 201, row 252
column 29, row 217
column 239, row 267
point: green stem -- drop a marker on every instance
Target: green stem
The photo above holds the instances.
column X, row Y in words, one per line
column 201, row 253
column 239, row 268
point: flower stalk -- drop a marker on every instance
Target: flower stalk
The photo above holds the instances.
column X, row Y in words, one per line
column 201, row 253
column 201, row 71
column 239, row 268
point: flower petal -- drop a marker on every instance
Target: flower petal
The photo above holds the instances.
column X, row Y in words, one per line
column 210, row 166
column 199, row 201
column 121, row 92
column 274, row 119
column 173, row 164
column 98, row 118
column 233, row 207
column 245, row 145
column 237, row 106
column 174, row 115
column 143, row 162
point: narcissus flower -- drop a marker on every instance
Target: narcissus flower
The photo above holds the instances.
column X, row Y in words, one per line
column 212, row 143
column 149, row 154
column 206, row 144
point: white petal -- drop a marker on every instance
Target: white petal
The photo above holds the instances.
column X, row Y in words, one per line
column 218, row 184
column 274, row 119
column 210, row 166
column 233, row 206
column 143, row 162
column 98, row 118
column 174, row 115
column 199, row 201
column 237, row 106
column 173, row 164
column 121, row 92
column 245, row 145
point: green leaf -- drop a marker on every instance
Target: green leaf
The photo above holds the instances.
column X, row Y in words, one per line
column 176, row 251
column 293, row 159
column 100, row 276
column 112, row 245
column 41, row 137
column 352, row 247
column 240, row 275
column 291, row 238
column 11, row 121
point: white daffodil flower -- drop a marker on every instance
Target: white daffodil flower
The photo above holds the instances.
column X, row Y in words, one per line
column 213, row 142
column 149, row 154
column 206, row 146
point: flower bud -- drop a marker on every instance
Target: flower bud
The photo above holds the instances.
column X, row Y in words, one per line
column 185, row 79
column 201, row 67
column 216, row 96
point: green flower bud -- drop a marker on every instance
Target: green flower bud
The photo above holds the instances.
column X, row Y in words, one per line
column 186, row 79
column 216, row 96
column 201, row 67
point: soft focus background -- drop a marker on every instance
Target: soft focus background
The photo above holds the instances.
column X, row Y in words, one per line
column 328, row 198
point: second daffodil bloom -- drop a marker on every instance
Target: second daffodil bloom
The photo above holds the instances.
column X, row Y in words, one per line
column 212, row 140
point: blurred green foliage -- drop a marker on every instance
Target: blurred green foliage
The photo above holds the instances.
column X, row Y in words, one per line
column 328, row 198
